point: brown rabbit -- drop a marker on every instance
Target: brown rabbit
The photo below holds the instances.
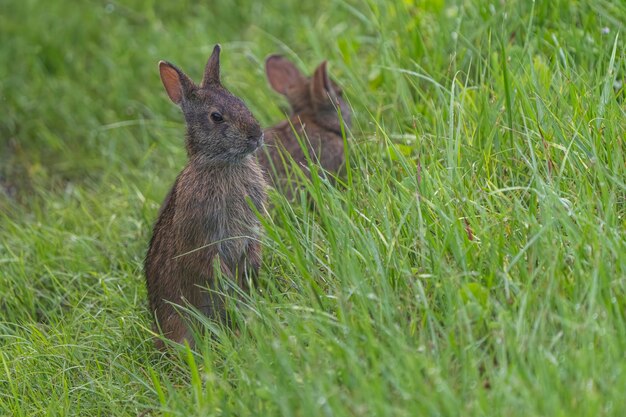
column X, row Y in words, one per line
column 314, row 116
column 206, row 216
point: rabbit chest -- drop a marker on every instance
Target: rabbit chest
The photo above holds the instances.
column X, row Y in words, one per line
column 213, row 216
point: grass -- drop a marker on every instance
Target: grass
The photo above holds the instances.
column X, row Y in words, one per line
column 474, row 266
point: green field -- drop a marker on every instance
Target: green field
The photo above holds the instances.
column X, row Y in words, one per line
column 471, row 263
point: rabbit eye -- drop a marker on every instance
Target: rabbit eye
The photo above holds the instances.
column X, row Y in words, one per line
column 216, row 117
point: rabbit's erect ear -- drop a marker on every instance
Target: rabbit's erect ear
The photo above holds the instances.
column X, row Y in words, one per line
column 176, row 83
column 282, row 74
column 212, row 69
column 321, row 87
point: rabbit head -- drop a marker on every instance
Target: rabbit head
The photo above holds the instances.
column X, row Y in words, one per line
column 220, row 128
column 317, row 96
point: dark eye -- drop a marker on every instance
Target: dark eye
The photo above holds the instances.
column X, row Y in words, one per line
column 216, row 117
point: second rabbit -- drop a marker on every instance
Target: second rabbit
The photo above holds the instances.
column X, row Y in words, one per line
column 315, row 104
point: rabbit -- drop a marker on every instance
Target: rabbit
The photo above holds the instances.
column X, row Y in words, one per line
column 314, row 116
column 206, row 216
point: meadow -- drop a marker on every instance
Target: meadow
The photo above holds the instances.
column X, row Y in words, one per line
column 472, row 260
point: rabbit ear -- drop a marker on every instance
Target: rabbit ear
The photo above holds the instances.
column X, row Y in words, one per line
column 321, row 86
column 212, row 69
column 282, row 74
column 176, row 83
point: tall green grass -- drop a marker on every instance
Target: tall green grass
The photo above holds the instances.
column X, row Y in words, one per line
column 471, row 262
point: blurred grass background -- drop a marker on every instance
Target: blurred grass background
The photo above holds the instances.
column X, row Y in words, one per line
column 475, row 266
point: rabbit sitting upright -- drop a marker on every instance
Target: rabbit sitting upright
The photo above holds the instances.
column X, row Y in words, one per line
column 314, row 115
column 206, row 217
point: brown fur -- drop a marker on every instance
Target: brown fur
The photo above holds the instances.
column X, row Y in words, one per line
column 314, row 102
column 206, row 216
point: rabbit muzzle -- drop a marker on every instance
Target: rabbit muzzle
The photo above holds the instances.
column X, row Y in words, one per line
column 255, row 141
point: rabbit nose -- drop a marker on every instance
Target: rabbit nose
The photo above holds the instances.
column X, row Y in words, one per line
column 257, row 138
column 255, row 132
